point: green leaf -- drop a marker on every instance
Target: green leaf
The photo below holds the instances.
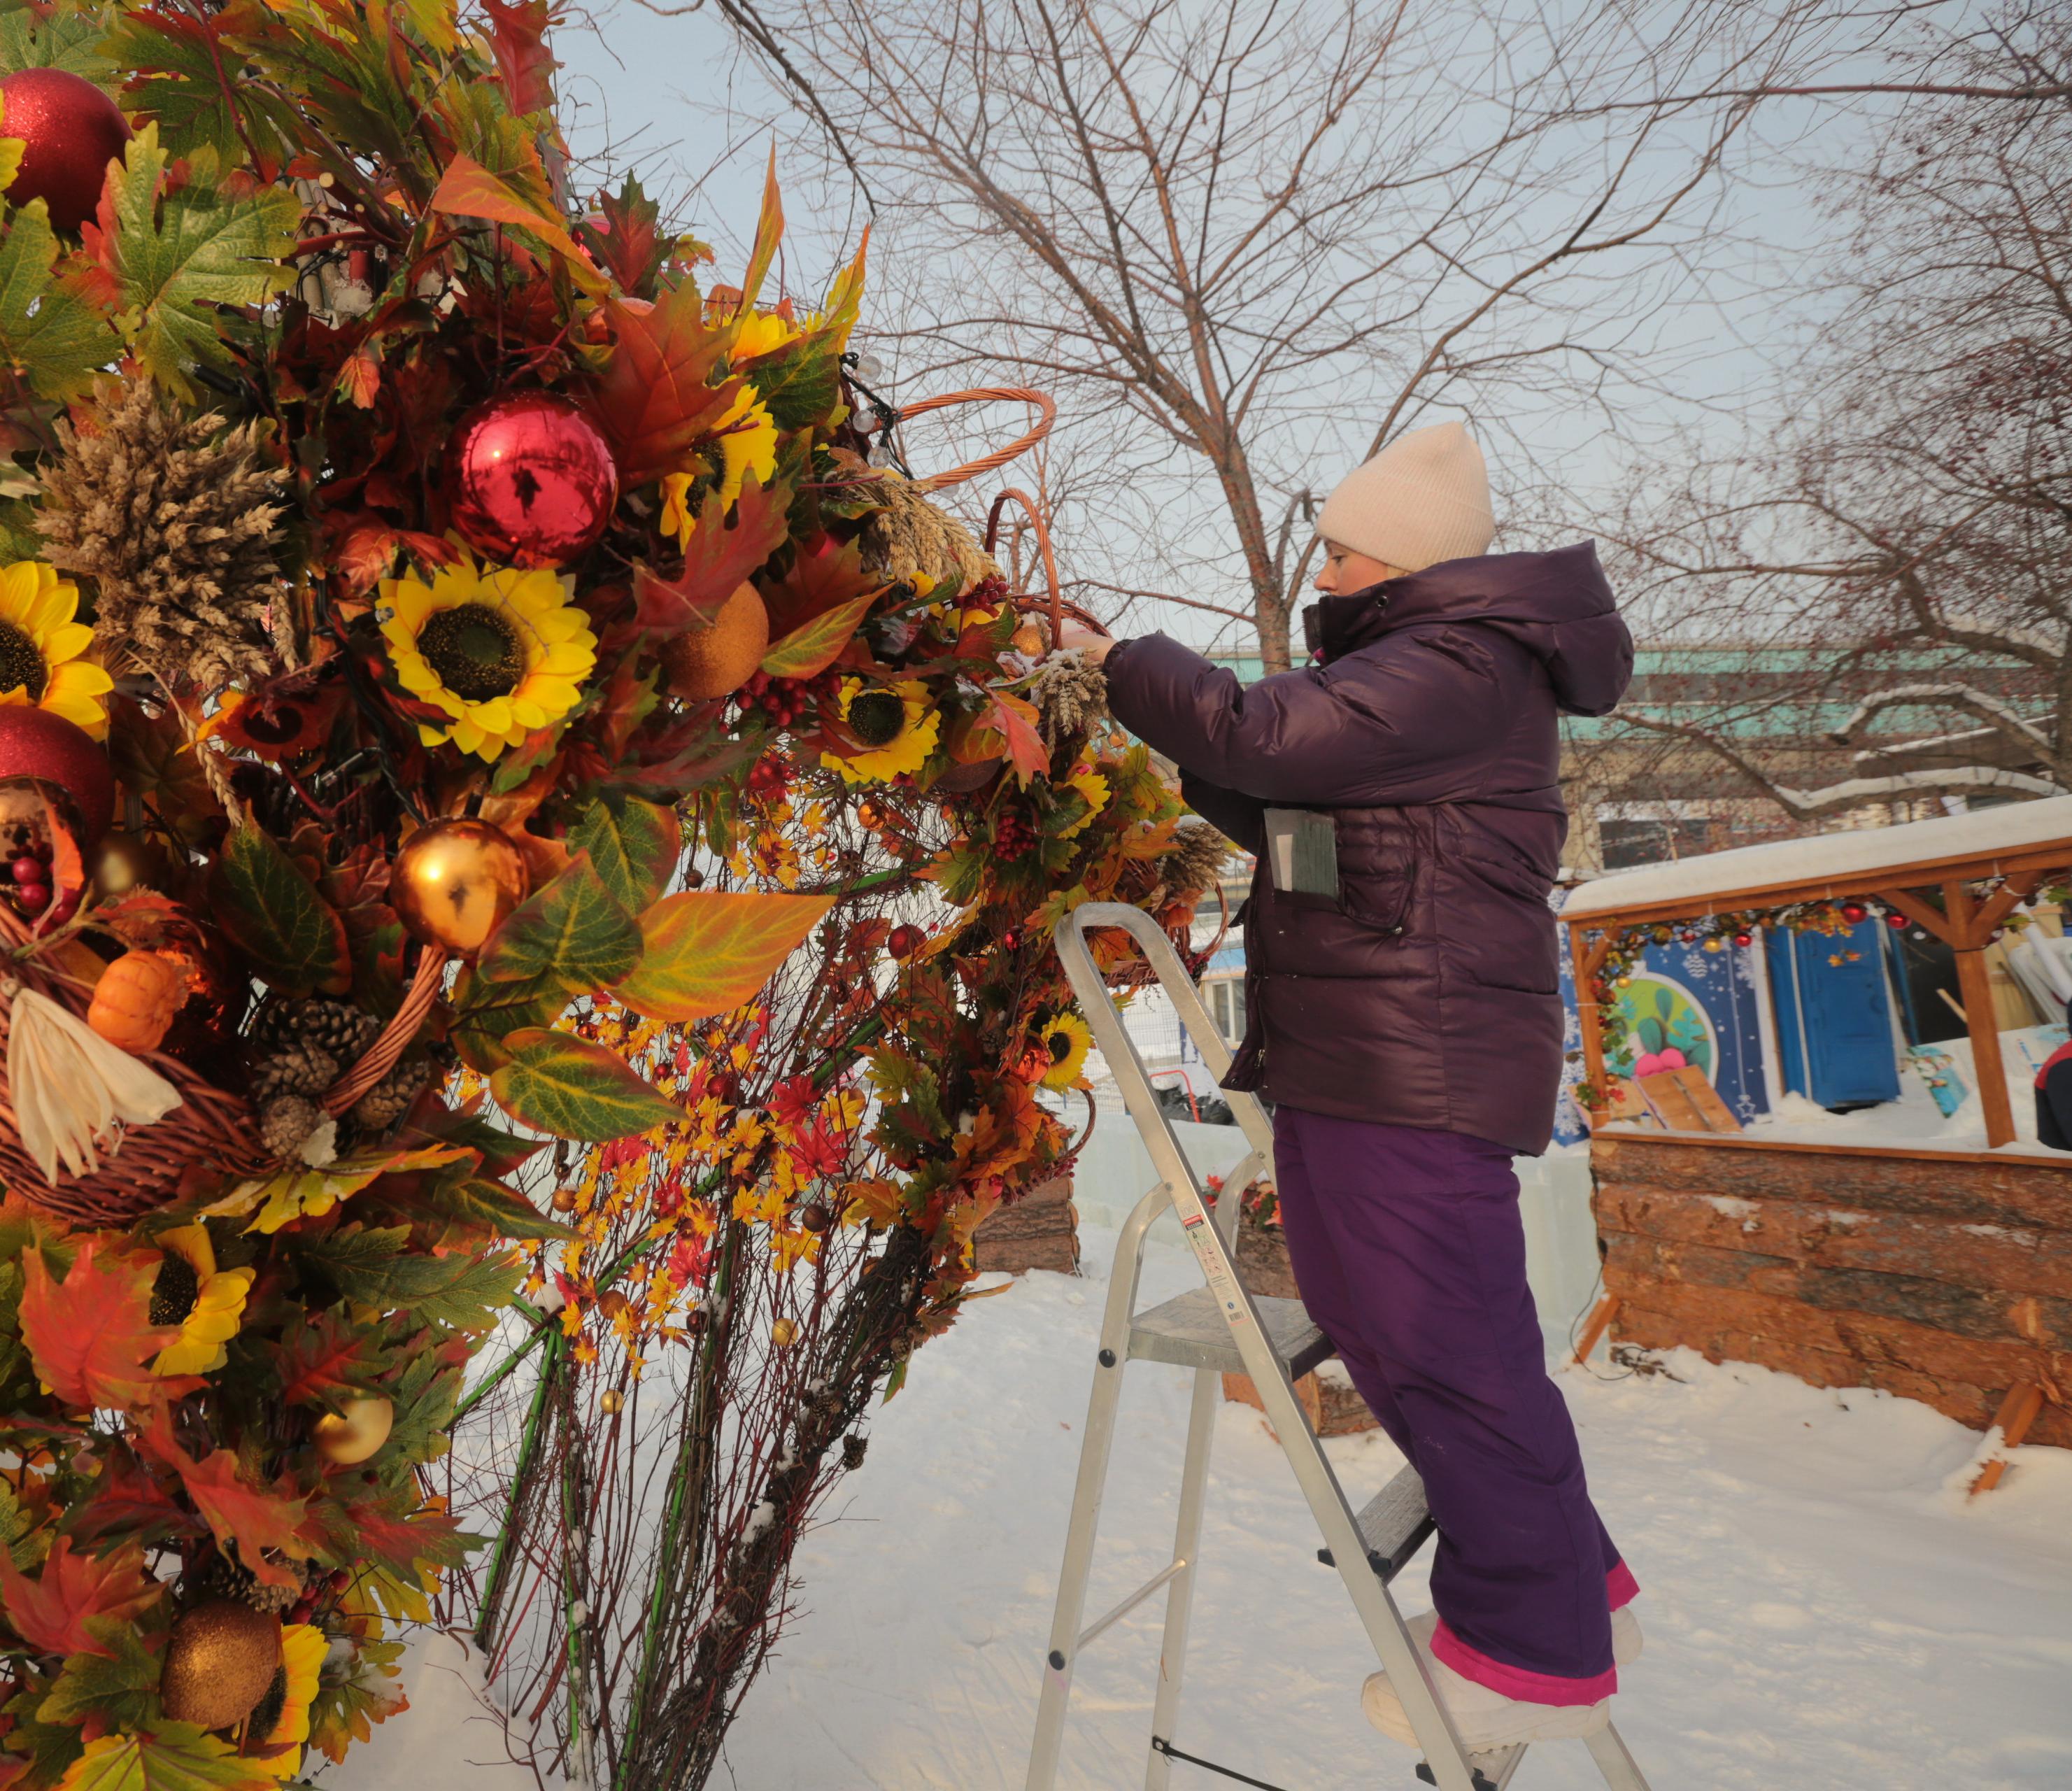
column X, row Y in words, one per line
column 799, row 387
column 810, row 649
column 502, row 1152
column 120, row 1685
column 272, row 913
column 576, row 1089
column 705, row 951
column 371, row 1268
column 473, row 1199
column 633, row 845
column 55, row 337
column 489, row 1012
column 574, row 931
column 70, row 40
column 195, row 247
column 177, row 1756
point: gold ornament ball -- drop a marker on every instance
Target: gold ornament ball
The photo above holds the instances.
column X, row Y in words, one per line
column 349, row 1438
column 784, row 1333
column 1715, row 944
column 610, row 1400
column 716, row 662
column 456, row 882
column 125, row 861
column 1030, row 641
column 220, row 1661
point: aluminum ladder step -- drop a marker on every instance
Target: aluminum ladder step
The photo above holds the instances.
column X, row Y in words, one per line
column 1191, row 1332
column 1395, row 1524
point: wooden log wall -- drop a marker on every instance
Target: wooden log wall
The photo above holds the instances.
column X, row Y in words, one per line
column 1947, row 1280
column 1039, row 1231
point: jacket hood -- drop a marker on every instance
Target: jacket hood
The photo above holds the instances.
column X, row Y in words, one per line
column 1558, row 606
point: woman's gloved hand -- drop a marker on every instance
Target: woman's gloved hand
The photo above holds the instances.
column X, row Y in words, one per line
column 1093, row 644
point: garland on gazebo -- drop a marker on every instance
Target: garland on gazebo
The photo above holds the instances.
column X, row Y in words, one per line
column 463, row 684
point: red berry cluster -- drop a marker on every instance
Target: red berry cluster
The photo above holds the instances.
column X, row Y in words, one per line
column 27, row 870
column 785, row 699
column 1014, row 833
column 769, row 777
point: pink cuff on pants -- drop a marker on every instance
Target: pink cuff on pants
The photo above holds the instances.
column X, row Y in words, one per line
column 1515, row 1681
column 1621, row 1588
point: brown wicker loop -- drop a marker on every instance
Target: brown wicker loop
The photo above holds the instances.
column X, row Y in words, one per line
column 402, row 1028
column 990, row 462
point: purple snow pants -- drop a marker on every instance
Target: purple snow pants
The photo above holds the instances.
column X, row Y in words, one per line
column 1409, row 1252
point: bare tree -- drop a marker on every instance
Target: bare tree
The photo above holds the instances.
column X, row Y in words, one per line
column 1257, row 240
column 1911, row 527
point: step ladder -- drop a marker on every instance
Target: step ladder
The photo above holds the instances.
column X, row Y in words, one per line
column 1217, row 1328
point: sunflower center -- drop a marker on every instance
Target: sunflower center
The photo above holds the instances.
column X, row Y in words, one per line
column 21, row 666
column 175, row 1292
column 266, row 1714
column 474, row 650
column 1061, row 1045
column 876, row 717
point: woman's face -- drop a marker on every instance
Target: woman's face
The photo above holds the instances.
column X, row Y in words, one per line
column 1344, row 571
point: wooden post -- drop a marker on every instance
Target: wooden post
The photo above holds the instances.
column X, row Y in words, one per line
column 2018, row 1411
column 1587, row 961
column 1971, row 930
column 1607, row 1310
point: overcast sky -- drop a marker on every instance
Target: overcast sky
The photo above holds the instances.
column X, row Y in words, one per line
column 669, row 97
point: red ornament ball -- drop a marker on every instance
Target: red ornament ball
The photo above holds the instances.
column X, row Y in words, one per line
column 73, row 130
column 36, row 744
column 531, row 479
column 904, row 941
column 1853, row 912
column 1897, row 922
column 1744, row 939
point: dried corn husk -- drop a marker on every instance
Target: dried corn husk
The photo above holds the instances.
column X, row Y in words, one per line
column 70, row 1086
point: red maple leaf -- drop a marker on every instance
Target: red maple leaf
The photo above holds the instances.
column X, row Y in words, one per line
column 825, row 574
column 519, row 38
column 50, row 1612
column 721, row 555
column 91, row 1335
column 651, row 400
column 328, row 1356
column 252, row 1519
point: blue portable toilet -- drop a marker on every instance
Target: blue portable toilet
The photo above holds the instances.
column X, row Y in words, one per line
column 1834, row 1021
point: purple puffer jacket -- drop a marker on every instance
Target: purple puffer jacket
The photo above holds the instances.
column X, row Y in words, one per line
column 1426, row 994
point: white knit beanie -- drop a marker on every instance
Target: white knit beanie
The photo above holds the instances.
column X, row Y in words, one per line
column 1424, row 498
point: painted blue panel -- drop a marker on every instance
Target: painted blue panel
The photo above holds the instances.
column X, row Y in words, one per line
column 1834, row 1015
column 1722, row 985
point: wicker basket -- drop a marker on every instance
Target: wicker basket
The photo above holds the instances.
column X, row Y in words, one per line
column 212, row 1136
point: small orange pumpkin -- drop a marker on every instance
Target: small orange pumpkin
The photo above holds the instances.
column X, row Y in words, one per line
column 136, row 998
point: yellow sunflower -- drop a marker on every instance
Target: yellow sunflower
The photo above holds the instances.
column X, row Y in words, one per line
column 501, row 651
column 1066, row 1040
column 763, row 333
column 893, row 721
column 745, row 438
column 40, row 645
column 1093, row 788
column 276, row 1730
column 206, row 1302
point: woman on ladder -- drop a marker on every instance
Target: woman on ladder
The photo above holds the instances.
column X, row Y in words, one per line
column 1404, row 1019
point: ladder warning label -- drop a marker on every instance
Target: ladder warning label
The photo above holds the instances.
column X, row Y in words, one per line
column 1215, row 1267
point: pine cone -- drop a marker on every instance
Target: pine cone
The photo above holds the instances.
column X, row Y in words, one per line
column 347, row 1032
column 171, row 517
column 223, row 1578
column 390, row 1098
column 303, row 1070
column 286, row 1124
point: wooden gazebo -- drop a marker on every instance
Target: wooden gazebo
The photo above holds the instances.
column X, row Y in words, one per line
column 1939, row 1269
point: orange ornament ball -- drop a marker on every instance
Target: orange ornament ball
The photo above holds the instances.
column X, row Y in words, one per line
column 456, row 882
column 703, row 663
column 220, row 1661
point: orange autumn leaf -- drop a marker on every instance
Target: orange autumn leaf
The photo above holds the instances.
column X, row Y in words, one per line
column 256, row 1521
column 521, row 199
column 652, row 398
column 51, row 1612
column 705, row 951
column 90, row 1336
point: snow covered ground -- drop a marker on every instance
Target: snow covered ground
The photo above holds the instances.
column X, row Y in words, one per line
column 1822, row 1605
